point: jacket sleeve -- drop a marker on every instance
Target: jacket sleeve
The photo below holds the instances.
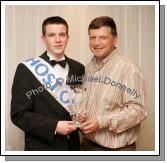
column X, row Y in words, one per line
column 22, row 108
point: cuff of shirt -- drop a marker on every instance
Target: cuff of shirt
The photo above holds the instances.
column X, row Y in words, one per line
column 113, row 122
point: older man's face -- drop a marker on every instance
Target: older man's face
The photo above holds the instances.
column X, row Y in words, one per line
column 101, row 42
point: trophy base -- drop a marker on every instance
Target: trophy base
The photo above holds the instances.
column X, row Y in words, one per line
column 77, row 124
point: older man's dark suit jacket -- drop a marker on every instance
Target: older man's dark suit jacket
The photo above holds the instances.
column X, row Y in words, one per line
column 39, row 115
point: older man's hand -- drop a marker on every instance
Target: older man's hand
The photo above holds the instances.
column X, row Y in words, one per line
column 90, row 126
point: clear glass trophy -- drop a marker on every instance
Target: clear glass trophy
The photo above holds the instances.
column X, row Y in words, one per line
column 76, row 103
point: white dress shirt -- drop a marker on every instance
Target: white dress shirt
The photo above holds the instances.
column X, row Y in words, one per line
column 60, row 71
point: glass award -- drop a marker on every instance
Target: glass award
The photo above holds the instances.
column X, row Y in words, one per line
column 76, row 103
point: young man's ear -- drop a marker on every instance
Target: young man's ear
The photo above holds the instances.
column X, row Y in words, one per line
column 67, row 37
column 43, row 39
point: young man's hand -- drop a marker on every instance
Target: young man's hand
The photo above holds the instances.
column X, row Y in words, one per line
column 65, row 127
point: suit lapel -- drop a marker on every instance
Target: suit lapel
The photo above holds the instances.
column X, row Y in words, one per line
column 71, row 70
column 45, row 57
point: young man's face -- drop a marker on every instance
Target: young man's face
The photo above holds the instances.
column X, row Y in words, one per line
column 101, row 42
column 56, row 38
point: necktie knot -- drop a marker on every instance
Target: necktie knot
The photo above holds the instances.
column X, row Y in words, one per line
column 61, row 63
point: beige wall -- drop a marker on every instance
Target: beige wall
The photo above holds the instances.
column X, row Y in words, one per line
column 136, row 40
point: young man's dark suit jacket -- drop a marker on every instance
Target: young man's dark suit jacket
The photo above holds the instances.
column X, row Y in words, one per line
column 39, row 115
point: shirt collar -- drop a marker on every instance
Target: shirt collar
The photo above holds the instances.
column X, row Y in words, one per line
column 51, row 58
column 112, row 56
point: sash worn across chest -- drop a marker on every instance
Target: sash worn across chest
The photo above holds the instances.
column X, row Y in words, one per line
column 47, row 76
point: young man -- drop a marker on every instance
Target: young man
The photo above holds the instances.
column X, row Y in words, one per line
column 38, row 103
column 115, row 93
